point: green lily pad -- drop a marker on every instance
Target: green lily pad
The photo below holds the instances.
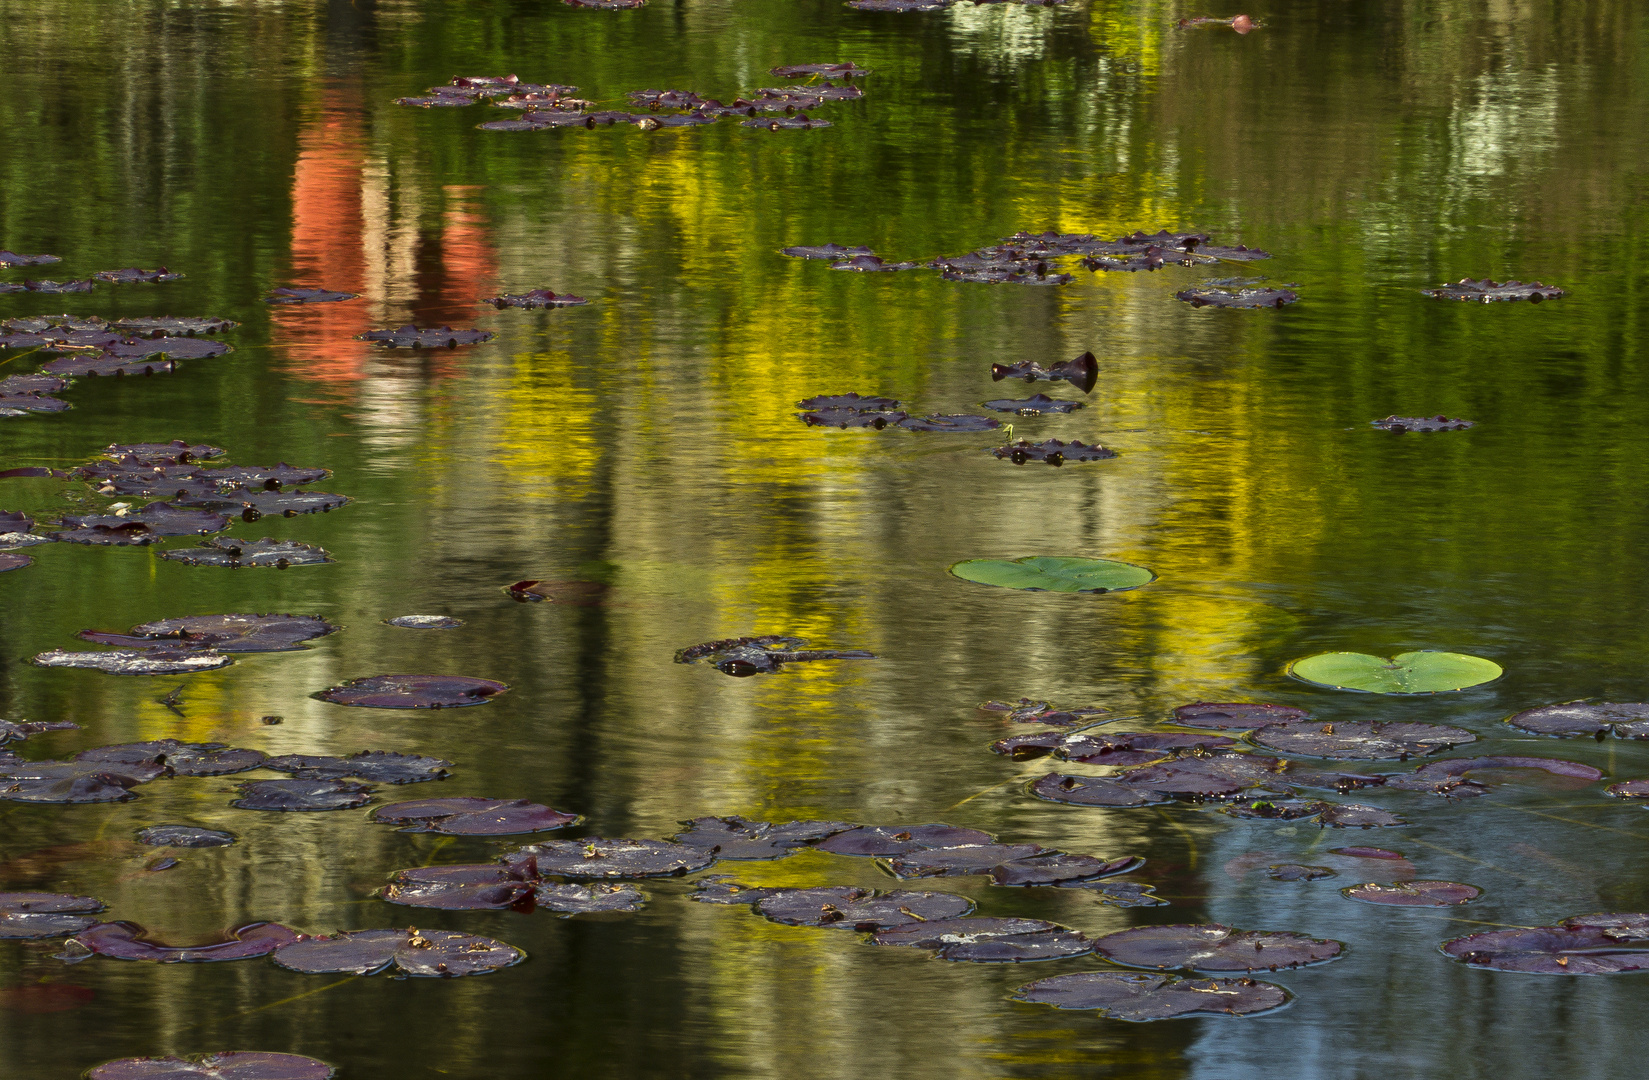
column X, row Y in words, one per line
column 1054, row 573
column 1406, row 673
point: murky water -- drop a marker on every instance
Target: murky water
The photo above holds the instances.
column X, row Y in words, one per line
column 648, row 441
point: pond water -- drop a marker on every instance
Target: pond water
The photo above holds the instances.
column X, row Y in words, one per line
column 648, row 442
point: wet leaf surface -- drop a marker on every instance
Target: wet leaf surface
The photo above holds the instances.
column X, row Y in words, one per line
column 1027, row 711
column 12, row 258
column 1132, row 747
column 1209, row 296
column 1629, row 789
column 230, row 552
column 479, row 887
column 11, row 560
column 468, row 815
column 1414, row 893
column 183, row 759
column 850, row 402
column 31, row 916
column 1421, row 672
column 872, row 264
column 1122, row 894
column 1297, row 872
column 1627, row 720
column 740, row 838
column 1205, row 776
column 440, row 954
column 952, row 422
column 425, row 622
column 606, row 5
column 573, row 593
column 133, row 275
column 1212, row 947
column 84, row 285
column 438, row 337
column 372, row 766
column 848, row 908
column 20, row 730
column 125, row 941
column 284, row 796
column 252, row 505
column 1360, row 741
column 535, row 298
column 1093, row 791
column 1242, row 24
column 108, row 364
column 983, row 940
column 233, row 1065
column 23, row 404
column 175, row 327
column 233, row 633
column 1581, row 949
column 413, row 692
column 1439, row 422
column 138, row 661
column 595, row 857
column 1136, row 996
column 172, row 348
column 899, row 5
column 855, row 418
column 1054, row 573
column 884, row 841
column 176, row 452
column 66, row 782
column 721, row 889
column 961, row 860
column 799, row 122
column 833, row 252
column 1035, row 405
column 1052, row 452
column 1058, row 868
column 597, row 897
column 308, row 296
column 848, row 70
column 1235, row 715
column 185, row 836
column 1332, row 815
column 161, row 518
column 1443, row 777
column 1487, row 292
column 763, row 654
column 1082, row 372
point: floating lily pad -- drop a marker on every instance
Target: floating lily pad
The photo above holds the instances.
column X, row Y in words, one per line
column 833, row 252
column 12, row 258
column 1093, row 791
column 1212, row 776
column 172, row 348
column 848, row 70
column 252, row 505
column 1581, row 949
column 482, row 887
column 884, row 841
column 1082, row 372
column 595, row 857
column 665, row 99
column 1439, row 422
column 1026, row 711
column 1297, row 872
column 161, row 518
column 301, row 795
column 757, row 655
column 1414, row 893
column 574, row 593
column 949, row 422
column 138, row 661
column 472, row 816
column 1035, row 405
column 20, row 730
column 1237, row 298
column 413, row 692
column 1360, row 741
column 1235, row 715
column 124, row 941
column 60, row 785
column 535, row 298
column 596, row 897
column 183, row 759
column 23, row 404
column 32, row 470
column 1136, row 996
column 424, row 622
column 411, row 337
column 1627, row 720
column 268, row 477
column 1487, row 292
column 1242, row 24
column 234, row 1065
column 863, row 264
column 850, row 908
column 1053, row 452
column 1629, row 789
column 799, row 122
column 606, row 5
column 961, row 860
column 1424, row 672
column 230, row 552
column 982, row 940
column 1212, row 947
column 107, row 364
column 56, row 286
column 1132, row 747
column 133, row 275
column 1450, row 768
column 175, row 327
column 1054, row 868
column 1054, row 573
column 11, row 560
column 441, row 954
column 187, row 836
column 176, row 452
column 1334, row 815
column 128, row 534
column 308, row 296
column 234, row 633
column 851, row 417
column 721, row 889
column 853, row 402
column 741, row 838
column 899, row 5
column 30, row 916
column 372, row 766
column 1123, row 894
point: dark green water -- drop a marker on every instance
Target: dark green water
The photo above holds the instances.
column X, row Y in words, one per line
column 648, row 440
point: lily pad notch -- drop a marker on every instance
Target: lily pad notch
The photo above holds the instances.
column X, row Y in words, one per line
column 1419, row 672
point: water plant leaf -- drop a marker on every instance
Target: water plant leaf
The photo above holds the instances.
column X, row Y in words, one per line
column 1235, row 715
column 1123, row 894
column 1053, row 452
column 23, row 404
column 173, row 348
column 1626, row 720
column 176, row 452
column 1297, row 872
column 11, row 560
column 948, row 422
column 413, row 692
column 1132, row 747
column 799, row 122
column 232, row 633
column 1488, row 292
column 1242, row 24
column 1058, row 868
column 161, row 518
column 854, row 402
column 1140, row 997
column 1439, row 422
column 437, row 337
column 871, row 264
column 1439, row 776
column 173, row 326
column 138, row 661
column 372, row 766
column 1360, row 741
column 471, row 816
column 899, row 5
column 1580, row 949
column 133, row 275
column 65, row 782
column 884, row 841
column 442, row 954
column 12, row 258
column 125, row 941
column 1212, row 947
column 741, row 838
column 848, row 908
column 984, row 940
column 846, row 418
column 596, row 857
column 598, row 896
column 574, row 593
column 308, row 296
column 848, row 70
column 30, row 916
column 1054, row 573
column 961, row 860
column 425, row 622
column 721, row 889
column 1423, row 672
column 20, row 730
column 230, row 552
column 1035, row 405
column 186, row 836
column 233, row 1065
column 745, row 656
column 252, row 505
column 1414, row 893
column 1332, row 815
column 1092, row 791
column 285, row 796
column 1081, row 372
column 534, row 298
column 1026, row 711
column 1629, row 789
column 833, row 252
column 107, row 364
column 665, row 99
column 479, row 887
column 84, row 285
column 181, row 758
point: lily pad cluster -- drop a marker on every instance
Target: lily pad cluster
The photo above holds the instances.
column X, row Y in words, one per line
column 762, row 654
column 192, row 643
column 1400, row 424
column 853, row 410
column 1489, row 292
column 95, row 347
column 1602, row 944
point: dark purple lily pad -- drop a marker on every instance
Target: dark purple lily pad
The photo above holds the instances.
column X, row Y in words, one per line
column 1554, row 950
column 175, row 327
column 185, row 836
column 854, row 402
column 20, row 730
column 1414, row 893
column 1026, row 711
column 1082, row 372
column 1211, row 777
column 234, row 1065
column 425, row 622
column 228, row 551
column 30, row 916
column 721, row 889
column 1627, row 720
column 472, row 816
column 1035, row 405
column 371, row 766
column 848, row 70
column 138, row 661
column 1297, row 872
column 982, row 940
column 411, row 337
column 427, row 953
column 598, row 896
column 176, row 452
column 1139, row 997
column 22, row 404
column 1439, row 422
column 163, row 519
column 1333, row 815
column 833, row 252
column 1210, row 296
column 962, row 860
column 740, row 838
column 573, row 593
column 665, row 99
column 183, row 759
column 1236, row 715
column 57, row 286
column 12, row 258
column 1132, row 747
column 1486, row 291
column 284, row 796
column 846, row 418
column 1212, row 947
column 1622, row 926
column 17, row 385
column 807, row 96
column 308, row 296
column 596, row 857
column 606, row 5
column 269, row 477
column 235, row 633
column 899, row 5
column 107, row 364
column 1629, row 789
column 11, row 560
column 535, row 298
column 1122, row 894
column 872, row 264
column 799, row 122
column 951, row 422
column 482, row 887
column 65, row 782
column 440, row 100
column 1092, row 791
column 1450, row 768
column 124, row 941
column 126, row 534
column 1058, row 868
column 848, row 908
column 252, row 505
column 1361, row 741
column 884, row 841
column 173, row 348
column 745, row 656
column 413, row 692
column 1022, row 274
column 132, row 275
